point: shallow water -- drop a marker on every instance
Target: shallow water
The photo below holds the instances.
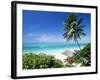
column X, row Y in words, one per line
column 50, row 48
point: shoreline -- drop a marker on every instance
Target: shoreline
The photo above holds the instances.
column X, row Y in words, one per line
column 51, row 51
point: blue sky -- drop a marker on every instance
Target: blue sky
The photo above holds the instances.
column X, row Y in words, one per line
column 47, row 27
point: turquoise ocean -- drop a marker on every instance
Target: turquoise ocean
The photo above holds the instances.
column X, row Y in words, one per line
column 49, row 48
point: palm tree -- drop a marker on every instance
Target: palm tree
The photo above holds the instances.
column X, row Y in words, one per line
column 73, row 28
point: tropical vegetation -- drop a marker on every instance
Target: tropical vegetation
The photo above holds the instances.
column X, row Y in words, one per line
column 83, row 57
column 38, row 61
column 73, row 28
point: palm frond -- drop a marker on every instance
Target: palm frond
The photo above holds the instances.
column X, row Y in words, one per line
column 80, row 21
column 73, row 28
column 83, row 34
column 81, row 26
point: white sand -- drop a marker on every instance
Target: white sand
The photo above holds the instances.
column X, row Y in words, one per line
column 60, row 56
column 64, row 55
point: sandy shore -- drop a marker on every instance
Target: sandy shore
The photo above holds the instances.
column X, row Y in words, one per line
column 60, row 56
column 64, row 55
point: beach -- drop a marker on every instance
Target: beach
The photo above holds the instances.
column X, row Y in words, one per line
column 66, row 58
column 61, row 51
column 64, row 55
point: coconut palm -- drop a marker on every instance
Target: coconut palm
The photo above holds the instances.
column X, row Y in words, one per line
column 73, row 28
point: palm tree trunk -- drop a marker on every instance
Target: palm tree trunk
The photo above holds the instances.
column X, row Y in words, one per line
column 78, row 44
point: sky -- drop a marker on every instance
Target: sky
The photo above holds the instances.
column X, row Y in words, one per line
column 47, row 27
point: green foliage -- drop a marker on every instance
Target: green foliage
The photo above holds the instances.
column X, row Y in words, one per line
column 73, row 27
column 57, row 63
column 84, row 56
column 68, row 65
column 37, row 61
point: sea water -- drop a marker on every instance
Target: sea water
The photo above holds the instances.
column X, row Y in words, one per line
column 49, row 48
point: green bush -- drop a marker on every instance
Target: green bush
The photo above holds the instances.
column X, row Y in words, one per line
column 37, row 61
column 84, row 56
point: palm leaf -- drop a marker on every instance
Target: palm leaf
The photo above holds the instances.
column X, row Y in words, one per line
column 80, row 21
column 73, row 28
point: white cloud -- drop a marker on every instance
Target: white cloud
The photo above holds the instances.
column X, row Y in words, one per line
column 51, row 38
column 48, row 38
column 43, row 38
